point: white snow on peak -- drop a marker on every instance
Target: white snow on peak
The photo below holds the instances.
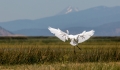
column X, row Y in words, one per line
column 68, row 11
column 71, row 9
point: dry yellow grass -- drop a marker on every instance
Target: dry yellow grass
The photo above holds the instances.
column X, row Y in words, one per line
column 53, row 54
column 65, row 66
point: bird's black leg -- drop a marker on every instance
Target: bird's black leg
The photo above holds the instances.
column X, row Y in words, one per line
column 78, row 47
column 74, row 50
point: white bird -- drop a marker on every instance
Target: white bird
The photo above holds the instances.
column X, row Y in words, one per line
column 75, row 39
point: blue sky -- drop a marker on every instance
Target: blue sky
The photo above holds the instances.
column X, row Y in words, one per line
column 35, row 9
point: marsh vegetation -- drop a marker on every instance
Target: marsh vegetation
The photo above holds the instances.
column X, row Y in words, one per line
column 50, row 51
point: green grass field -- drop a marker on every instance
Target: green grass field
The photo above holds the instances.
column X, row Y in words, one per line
column 50, row 53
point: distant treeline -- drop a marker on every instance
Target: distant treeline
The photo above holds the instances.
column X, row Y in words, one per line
column 46, row 37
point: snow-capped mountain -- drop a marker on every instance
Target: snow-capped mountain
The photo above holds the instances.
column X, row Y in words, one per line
column 104, row 20
column 68, row 10
column 71, row 9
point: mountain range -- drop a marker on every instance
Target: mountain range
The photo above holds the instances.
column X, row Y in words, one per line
column 104, row 20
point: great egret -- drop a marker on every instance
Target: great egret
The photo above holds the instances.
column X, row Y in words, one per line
column 75, row 39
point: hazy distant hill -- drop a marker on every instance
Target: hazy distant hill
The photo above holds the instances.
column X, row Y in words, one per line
column 109, row 29
column 33, row 32
column 4, row 32
column 86, row 18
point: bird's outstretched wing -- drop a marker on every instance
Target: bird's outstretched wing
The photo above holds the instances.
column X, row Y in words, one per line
column 84, row 36
column 58, row 33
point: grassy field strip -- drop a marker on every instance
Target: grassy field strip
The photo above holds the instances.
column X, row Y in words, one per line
column 65, row 66
column 51, row 53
